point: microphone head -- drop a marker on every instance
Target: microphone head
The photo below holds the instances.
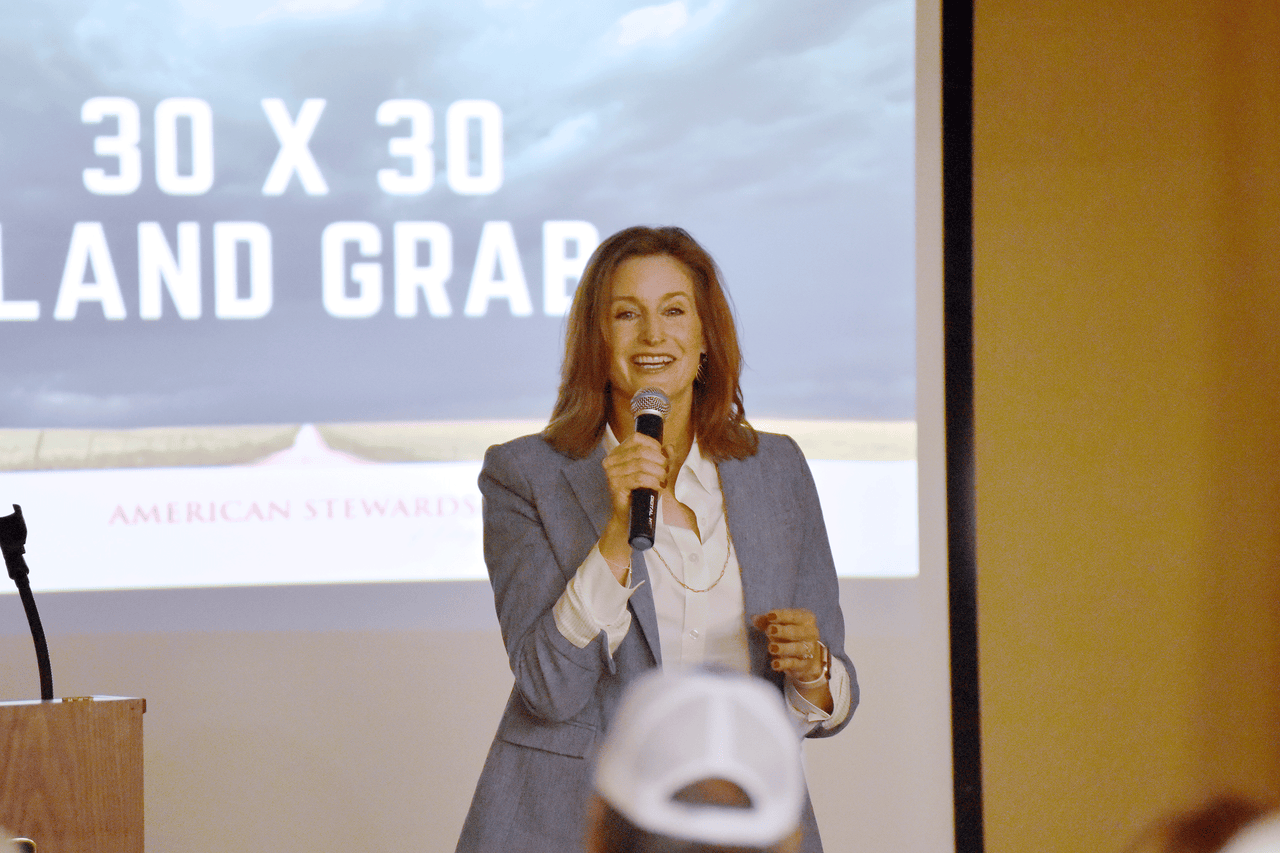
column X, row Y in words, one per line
column 650, row 401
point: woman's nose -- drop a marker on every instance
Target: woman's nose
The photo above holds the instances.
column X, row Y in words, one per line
column 650, row 330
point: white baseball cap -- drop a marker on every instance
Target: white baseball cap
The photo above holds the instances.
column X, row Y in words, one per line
column 675, row 729
column 1260, row 836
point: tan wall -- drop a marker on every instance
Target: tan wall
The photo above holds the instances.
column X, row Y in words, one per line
column 1127, row 320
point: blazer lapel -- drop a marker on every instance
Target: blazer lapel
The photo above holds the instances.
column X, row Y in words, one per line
column 586, row 478
column 744, row 501
column 642, row 604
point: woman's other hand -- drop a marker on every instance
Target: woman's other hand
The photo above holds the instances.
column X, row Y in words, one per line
column 794, row 650
column 793, row 642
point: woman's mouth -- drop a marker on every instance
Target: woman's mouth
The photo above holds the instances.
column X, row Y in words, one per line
column 652, row 363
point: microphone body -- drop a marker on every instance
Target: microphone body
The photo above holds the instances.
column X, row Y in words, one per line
column 650, row 407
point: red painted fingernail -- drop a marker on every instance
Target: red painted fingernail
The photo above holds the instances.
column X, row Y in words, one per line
column 773, row 648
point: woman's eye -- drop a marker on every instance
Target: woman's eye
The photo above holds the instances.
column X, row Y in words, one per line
column 675, row 311
column 624, row 315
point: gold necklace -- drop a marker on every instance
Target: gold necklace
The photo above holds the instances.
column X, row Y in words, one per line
column 728, row 540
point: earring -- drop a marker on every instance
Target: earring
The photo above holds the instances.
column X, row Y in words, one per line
column 701, row 375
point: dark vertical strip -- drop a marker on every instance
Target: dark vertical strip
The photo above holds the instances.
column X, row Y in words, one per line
column 957, row 259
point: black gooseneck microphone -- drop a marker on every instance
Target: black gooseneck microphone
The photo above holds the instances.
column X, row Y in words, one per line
column 13, row 542
column 650, row 406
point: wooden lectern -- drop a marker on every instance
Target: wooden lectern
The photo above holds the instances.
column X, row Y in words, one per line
column 71, row 773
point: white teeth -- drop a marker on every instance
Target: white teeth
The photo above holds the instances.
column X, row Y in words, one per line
column 653, row 363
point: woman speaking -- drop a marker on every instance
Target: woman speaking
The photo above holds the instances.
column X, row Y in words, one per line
column 740, row 573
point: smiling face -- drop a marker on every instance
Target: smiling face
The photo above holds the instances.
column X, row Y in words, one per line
column 654, row 333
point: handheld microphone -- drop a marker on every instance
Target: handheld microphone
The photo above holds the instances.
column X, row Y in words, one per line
column 650, row 406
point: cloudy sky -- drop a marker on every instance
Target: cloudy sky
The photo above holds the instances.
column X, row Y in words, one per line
column 780, row 133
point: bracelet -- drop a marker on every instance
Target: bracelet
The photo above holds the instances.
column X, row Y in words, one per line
column 825, row 675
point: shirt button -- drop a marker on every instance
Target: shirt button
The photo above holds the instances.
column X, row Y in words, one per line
column 693, row 558
column 693, row 634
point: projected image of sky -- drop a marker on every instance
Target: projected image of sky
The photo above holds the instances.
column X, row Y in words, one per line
column 222, row 212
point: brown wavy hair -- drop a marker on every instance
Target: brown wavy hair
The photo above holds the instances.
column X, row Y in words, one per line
column 584, row 402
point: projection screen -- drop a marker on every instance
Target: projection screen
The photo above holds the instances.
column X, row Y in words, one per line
column 273, row 275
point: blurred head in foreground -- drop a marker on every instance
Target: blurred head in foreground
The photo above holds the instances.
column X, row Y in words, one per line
column 1262, row 835
column 11, row 844
column 696, row 762
column 1225, row 824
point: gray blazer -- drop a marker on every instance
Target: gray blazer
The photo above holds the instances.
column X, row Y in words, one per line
column 543, row 512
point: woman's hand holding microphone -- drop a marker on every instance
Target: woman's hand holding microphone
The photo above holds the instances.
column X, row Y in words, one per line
column 640, row 462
